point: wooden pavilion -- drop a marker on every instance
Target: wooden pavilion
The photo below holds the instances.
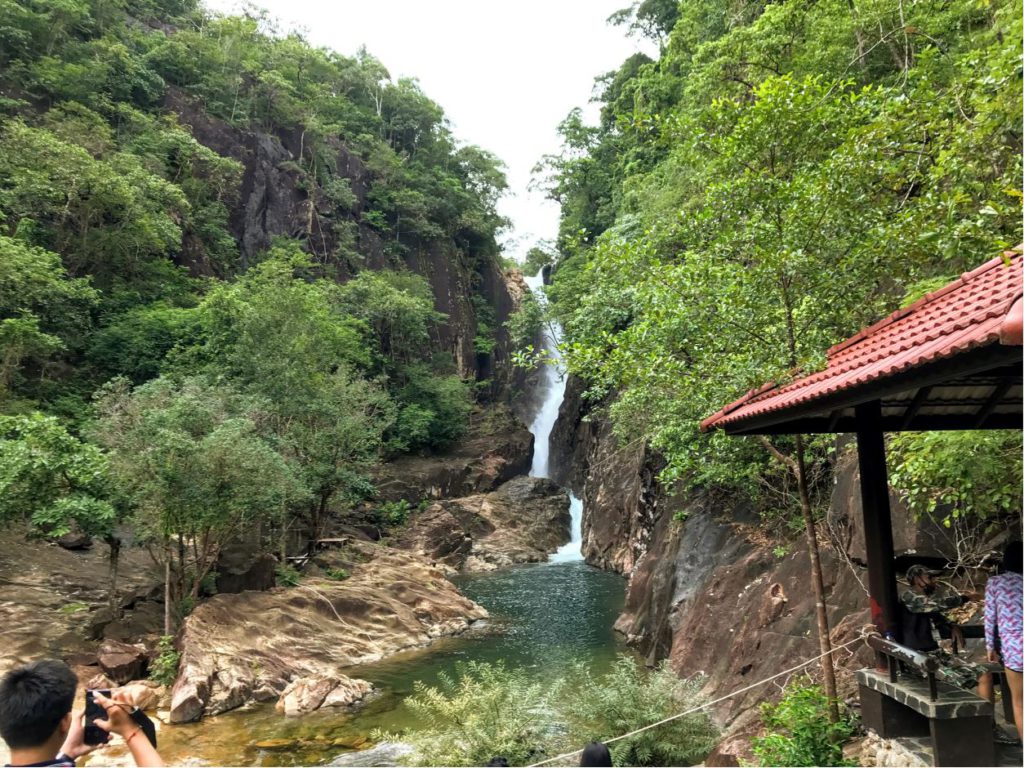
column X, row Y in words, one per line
column 950, row 361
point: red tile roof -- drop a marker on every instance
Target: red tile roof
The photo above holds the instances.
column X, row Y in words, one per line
column 983, row 307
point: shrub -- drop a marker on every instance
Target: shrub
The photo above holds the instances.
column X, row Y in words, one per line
column 435, row 408
column 287, row 575
column 631, row 697
column 337, row 574
column 394, row 513
column 164, row 668
column 488, row 710
column 525, row 324
column 798, row 731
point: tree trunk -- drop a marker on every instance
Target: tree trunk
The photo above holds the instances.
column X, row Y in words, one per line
column 857, row 32
column 115, row 557
column 818, row 582
column 167, row 591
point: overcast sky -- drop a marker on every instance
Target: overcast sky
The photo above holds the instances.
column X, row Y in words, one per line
column 506, row 73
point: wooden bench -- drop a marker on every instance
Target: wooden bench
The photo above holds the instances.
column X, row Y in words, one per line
column 895, row 705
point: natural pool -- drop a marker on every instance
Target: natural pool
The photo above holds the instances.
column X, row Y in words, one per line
column 542, row 617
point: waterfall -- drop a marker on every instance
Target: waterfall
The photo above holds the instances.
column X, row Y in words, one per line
column 552, row 386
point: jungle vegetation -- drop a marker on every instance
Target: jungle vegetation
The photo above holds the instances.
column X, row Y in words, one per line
column 780, row 176
column 156, row 372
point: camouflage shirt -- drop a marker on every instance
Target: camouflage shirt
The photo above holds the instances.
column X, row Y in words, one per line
column 915, row 602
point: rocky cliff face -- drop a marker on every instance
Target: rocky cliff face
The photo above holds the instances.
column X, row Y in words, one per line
column 497, row 448
column 523, row 521
column 707, row 590
column 278, row 199
column 617, row 483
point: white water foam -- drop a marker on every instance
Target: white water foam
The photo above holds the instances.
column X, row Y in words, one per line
column 552, row 385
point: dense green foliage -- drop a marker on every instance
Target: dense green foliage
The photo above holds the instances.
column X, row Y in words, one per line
column 798, row 731
column 52, row 478
column 958, row 475
column 158, row 370
column 195, row 462
column 630, row 697
column 778, row 178
column 491, row 711
column 487, row 711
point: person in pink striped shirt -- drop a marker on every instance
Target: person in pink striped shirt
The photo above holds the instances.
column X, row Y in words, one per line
column 1003, row 609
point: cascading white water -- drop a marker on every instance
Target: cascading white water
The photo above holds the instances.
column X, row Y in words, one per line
column 552, row 386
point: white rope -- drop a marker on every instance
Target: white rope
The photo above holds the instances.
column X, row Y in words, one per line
column 720, row 699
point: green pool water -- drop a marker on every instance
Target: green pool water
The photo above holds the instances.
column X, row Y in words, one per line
column 543, row 617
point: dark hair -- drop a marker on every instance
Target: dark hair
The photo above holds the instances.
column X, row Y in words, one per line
column 499, row 762
column 33, row 700
column 596, row 754
column 1012, row 558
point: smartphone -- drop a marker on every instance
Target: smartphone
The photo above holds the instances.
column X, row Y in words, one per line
column 93, row 711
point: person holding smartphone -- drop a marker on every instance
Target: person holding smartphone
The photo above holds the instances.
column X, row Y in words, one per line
column 41, row 728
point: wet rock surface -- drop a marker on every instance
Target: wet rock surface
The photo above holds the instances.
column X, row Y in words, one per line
column 252, row 645
column 54, row 601
column 383, row 755
column 523, row 521
column 616, row 482
column 306, row 694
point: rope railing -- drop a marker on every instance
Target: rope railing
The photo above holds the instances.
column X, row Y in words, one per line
column 707, row 704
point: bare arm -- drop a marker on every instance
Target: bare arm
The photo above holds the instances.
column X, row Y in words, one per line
column 120, row 722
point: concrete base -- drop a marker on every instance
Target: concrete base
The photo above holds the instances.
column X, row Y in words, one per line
column 958, row 723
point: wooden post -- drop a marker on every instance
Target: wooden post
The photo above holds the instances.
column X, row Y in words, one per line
column 874, row 494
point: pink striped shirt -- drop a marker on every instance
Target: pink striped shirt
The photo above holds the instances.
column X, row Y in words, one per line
column 1003, row 608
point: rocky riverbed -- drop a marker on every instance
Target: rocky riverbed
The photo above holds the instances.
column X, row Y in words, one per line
column 261, row 645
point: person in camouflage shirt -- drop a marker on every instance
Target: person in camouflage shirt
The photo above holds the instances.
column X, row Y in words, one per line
column 922, row 611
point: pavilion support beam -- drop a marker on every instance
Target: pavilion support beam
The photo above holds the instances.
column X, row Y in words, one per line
column 874, row 493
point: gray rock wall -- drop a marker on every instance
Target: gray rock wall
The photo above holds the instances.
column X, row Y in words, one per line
column 277, row 198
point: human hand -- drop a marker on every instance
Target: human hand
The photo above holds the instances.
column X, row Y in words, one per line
column 74, row 745
column 993, row 656
column 118, row 720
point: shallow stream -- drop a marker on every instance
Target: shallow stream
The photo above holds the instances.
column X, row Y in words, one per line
column 543, row 617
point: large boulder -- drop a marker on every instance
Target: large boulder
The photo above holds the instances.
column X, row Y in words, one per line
column 497, row 448
column 243, row 566
column 383, row 755
column 438, row 535
column 306, row 694
column 122, row 662
column 250, row 646
column 75, row 540
column 523, row 521
column 144, row 694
